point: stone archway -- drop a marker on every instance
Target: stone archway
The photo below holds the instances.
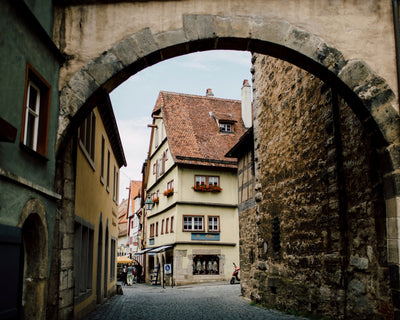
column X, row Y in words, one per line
column 369, row 96
column 35, row 247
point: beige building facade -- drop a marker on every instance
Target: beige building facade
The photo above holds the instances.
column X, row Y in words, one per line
column 193, row 228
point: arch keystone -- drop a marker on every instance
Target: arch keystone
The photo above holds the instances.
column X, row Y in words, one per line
column 199, row 26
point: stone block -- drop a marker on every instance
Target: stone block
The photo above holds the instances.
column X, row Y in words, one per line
column 274, row 31
column 393, row 251
column 66, row 258
column 170, row 38
column 146, row 43
column 126, row 51
column 66, row 298
column 104, row 67
column 67, row 240
column 359, row 262
column 356, row 73
column 357, row 287
column 66, row 280
column 388, row 121
column 199, row 26
column 394, row 156
column 83, row 84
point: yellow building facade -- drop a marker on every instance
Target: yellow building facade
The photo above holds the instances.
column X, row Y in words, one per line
column 192, row 230
column 99, row 156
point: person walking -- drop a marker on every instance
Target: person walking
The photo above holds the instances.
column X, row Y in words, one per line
column 124, row 275
column 130, row 275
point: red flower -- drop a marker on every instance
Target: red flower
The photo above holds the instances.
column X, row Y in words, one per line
column 207, row 188
column 169, row 192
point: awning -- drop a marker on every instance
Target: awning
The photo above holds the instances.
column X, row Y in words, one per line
column 142, row 252
column 159, row 249
column 124, row 259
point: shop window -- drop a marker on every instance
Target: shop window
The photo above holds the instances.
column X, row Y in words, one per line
column 205, row 265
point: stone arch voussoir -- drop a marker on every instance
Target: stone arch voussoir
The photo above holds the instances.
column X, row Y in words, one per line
column 376, row 102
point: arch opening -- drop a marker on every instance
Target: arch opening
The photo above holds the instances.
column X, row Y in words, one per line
column 370, row 98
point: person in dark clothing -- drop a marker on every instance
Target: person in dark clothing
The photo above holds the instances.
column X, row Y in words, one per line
column 138, row 273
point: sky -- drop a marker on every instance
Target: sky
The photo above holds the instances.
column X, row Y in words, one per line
column 133, row 101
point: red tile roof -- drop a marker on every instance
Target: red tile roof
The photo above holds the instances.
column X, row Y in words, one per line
column 191, row 124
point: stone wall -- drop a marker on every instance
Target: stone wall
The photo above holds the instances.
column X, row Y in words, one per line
column 319, row 241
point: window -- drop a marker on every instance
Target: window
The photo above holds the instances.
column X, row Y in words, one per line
column 170, row 185
column 225, row 127
column 156, row 136
column 115, row 184
column 36, row 112
column 193, row 223
column 112, row 260
column 157, row 229
column 205, row 264
column 213, row 224
column 172, row 224
column 155, row 168
column 206, row 180
column 166, row 225
column 108, row 170
column 162, row 226
column 83, row 258
column 87, row 132
column 152, row 230
column 103, row 146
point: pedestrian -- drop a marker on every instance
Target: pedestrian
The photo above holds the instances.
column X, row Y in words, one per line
column 138, row 273
column 124, row 274
column 134, row 273
column 130, row 275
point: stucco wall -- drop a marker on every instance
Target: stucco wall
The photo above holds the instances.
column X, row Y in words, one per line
column 359, row 29
column 92, row 203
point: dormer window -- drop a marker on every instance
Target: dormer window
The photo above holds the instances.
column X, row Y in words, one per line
column 225, row 127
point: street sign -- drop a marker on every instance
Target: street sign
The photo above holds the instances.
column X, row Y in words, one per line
column 167, row 269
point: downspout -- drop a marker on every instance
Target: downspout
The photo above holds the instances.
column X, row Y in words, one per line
column 395, row 6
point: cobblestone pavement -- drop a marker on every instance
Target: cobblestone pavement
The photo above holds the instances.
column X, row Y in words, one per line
column 206, row 302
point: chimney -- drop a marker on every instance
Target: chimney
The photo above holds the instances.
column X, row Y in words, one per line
column 209, row 93
column 247, row 114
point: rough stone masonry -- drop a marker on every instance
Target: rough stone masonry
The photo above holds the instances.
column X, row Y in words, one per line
column 316, row 240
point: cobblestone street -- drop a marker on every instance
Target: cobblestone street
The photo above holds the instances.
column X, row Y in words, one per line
column 207, row 301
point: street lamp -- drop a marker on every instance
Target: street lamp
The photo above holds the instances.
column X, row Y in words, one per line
column 148, row 203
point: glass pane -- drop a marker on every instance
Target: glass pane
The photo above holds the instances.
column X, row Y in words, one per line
column 33, row 95
column 30, row 131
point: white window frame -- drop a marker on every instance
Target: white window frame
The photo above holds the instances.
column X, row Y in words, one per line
column 213, row 224
column 225, row 127
column 34, row 129
column 193, row 223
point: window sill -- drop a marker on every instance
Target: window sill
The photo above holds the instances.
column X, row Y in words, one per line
column 33, row 152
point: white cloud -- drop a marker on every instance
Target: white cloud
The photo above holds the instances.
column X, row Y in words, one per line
column 135, row 137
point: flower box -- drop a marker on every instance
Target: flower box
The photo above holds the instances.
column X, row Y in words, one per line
column 207, row 188
column 156, row 200
column 169, row 192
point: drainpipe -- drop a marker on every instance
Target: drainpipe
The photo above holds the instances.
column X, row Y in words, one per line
column 395, row 6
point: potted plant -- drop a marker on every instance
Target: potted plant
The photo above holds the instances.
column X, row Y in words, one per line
column 206, row 188
column 169, row 192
